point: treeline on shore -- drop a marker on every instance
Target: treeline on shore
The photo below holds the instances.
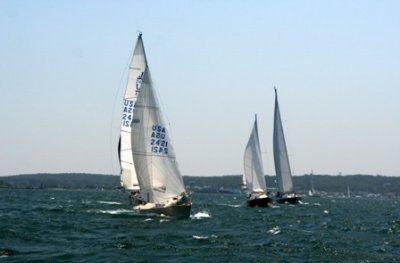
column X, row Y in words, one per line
column 229, row 183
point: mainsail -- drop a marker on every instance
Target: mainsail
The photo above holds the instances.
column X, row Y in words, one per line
column 153, row 155
column 253, row 167
column 282, row 167
column 138, row 64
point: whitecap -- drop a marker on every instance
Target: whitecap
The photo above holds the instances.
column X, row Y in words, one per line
column 200, row 215
column 275, row 230
column 230, row 205
column 326, row 212
column 200, row 237
column 164, row 220
column 108, row 202
column 148, row 219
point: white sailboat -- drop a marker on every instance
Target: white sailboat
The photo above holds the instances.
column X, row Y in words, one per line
column 137, row 67
column 312, row 192
column 161, row 185
column 253, row 176
column 285, row 192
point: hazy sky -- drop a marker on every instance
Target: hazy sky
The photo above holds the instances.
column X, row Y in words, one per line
column 336, row 65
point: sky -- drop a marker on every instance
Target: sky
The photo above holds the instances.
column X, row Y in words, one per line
column 336, row 65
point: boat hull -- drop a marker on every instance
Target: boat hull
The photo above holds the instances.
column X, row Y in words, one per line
column 175, row 211
column 288, row 200
column 261, row 202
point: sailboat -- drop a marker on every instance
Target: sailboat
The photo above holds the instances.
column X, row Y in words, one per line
column 312, row 192
column 285, row 192
column 162, row 190
column 129, row 180
column 253, row 176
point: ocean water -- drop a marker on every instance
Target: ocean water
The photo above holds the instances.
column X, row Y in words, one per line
column 99, row 226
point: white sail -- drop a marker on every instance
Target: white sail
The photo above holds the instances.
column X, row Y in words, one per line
column 253, row 168
column 138, row 65
column 312, row 184
column 282, row 167
column 153, row 155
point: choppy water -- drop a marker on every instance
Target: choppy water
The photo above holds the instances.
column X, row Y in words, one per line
column 99, row 226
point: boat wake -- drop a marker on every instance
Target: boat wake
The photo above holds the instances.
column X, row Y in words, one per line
column 112, row 212
column 149, row 219
column 200, row 215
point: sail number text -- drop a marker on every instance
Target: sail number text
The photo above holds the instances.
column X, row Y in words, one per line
column 158, row 141
column 127, row 113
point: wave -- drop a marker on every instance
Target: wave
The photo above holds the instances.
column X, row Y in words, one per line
column 230, row 205
column 113, row 212
column 275, row 230
column 200, row 215
column 6, row 252
column 200, row 237
column 204, row 237
column 109, row 203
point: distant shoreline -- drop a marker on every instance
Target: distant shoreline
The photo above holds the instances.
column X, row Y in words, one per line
column 325, row 185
